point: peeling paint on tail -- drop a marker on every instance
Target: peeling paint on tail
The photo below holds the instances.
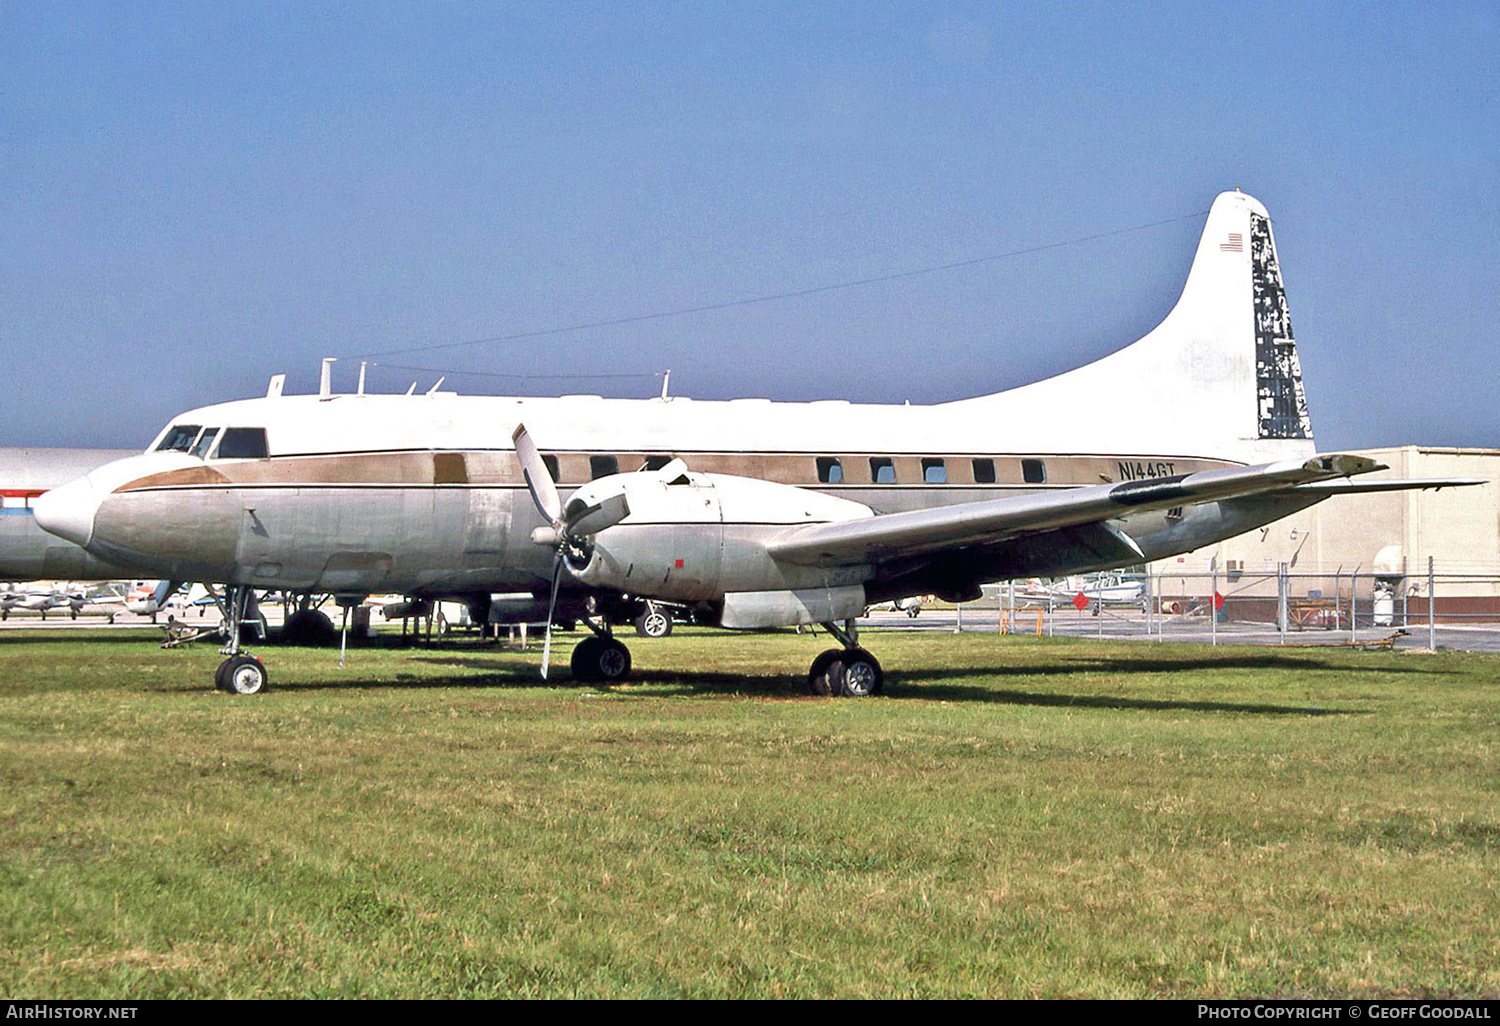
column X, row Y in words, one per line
column 1278, row 372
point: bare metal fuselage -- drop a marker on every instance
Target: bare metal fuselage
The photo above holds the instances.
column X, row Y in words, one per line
column 433, row 524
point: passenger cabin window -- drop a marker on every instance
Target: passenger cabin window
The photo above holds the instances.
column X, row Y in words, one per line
column 882, row 470
column 984, row 471
column 934, row 471
column 180, row 438
column 205, row 442
column 1033, row 471
column 550, row 462
column 243, row 444
column 830, row 470
column 603, row 466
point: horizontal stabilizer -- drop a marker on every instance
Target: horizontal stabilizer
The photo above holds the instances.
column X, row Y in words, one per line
column 1394, row 485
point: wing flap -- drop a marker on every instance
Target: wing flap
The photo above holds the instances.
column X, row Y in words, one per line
column 950, row 527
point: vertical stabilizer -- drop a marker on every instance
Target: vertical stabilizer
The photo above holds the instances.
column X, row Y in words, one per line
column 1220, row 373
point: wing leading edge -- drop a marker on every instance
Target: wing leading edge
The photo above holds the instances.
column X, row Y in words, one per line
column 947, row 528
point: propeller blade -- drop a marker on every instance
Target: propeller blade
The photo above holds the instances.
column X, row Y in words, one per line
column 538, row 477
column 557, row 564
column 607, row 512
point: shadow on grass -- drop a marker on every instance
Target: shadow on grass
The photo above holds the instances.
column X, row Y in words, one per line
column 937, row 684
column 124, row 636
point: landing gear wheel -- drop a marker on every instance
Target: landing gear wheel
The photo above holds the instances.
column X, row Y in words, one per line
column 817, row 678
column 913, row 611
column 242, row 675
column 600, row 659
column 655, row 622
column 309, row 627
column 855, row 673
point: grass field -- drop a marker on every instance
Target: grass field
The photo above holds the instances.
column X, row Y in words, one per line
column 1015, row 817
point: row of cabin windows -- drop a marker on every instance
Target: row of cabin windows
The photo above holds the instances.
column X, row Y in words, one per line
column 250, row 443
column 831, row 469
column 235, row 443
column 934, row 470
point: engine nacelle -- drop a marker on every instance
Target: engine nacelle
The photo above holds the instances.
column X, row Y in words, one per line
column 695, row 537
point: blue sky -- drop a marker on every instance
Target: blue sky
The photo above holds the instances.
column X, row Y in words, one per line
column 200, row 195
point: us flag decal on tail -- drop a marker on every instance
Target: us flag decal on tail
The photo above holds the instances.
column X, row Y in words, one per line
column 1236, row 243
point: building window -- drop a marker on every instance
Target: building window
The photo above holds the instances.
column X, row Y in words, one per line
column 830, row 470
column 1033, row 472
column 656, row 462
column 984, row 471
column 603, row 466
column 550, row 462
column 934, row 471
column 882, row 470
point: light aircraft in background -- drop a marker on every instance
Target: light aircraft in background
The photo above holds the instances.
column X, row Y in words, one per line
column 751, row 513
column 1100, row 590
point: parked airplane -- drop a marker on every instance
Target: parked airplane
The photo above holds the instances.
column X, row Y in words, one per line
column 755, row 514
column 27, row 553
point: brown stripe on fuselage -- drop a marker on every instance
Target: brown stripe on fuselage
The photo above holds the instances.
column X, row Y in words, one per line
column 204, row 475
column 500, row 468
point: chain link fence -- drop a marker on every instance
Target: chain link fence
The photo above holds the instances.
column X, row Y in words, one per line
column 1293, row 607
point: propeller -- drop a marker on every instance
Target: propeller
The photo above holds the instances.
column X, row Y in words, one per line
column 574, row 525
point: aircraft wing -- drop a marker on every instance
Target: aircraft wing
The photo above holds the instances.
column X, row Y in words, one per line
column 951, row 527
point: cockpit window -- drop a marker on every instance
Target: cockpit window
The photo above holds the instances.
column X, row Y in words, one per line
column 180, row 438
column 241, row 443
column 205, row 440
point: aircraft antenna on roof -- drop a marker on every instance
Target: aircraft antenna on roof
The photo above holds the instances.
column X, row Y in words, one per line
column 325, row 379
column 361, row 378
column 666, row 379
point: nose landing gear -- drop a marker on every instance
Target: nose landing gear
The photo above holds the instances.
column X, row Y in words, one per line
column 240, row 673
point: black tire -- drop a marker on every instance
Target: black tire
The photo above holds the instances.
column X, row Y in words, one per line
column 601, row 659
column 244, row 675
column 219, row 683
column 855, row 673
column 584, row 662
column 818, row 681
column 655, row 622
column 309, row 627
column 913, row 611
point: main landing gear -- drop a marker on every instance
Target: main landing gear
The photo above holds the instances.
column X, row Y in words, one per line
column 600, row 657
column 848, row 672
column 240, row 673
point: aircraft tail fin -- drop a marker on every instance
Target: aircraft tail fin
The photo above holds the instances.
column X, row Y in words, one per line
column 1221, row 367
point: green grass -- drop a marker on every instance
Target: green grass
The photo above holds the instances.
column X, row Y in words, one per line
column 1015, row 817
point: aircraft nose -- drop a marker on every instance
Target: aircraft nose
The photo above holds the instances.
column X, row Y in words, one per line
column 68, row 511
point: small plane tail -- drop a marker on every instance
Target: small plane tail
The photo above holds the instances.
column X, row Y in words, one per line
column 1221, row 367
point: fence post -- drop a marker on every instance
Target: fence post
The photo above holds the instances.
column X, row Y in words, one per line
column 1282, row 583
column 1431, row 606
column 1353, row 606
column 1213, row 610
